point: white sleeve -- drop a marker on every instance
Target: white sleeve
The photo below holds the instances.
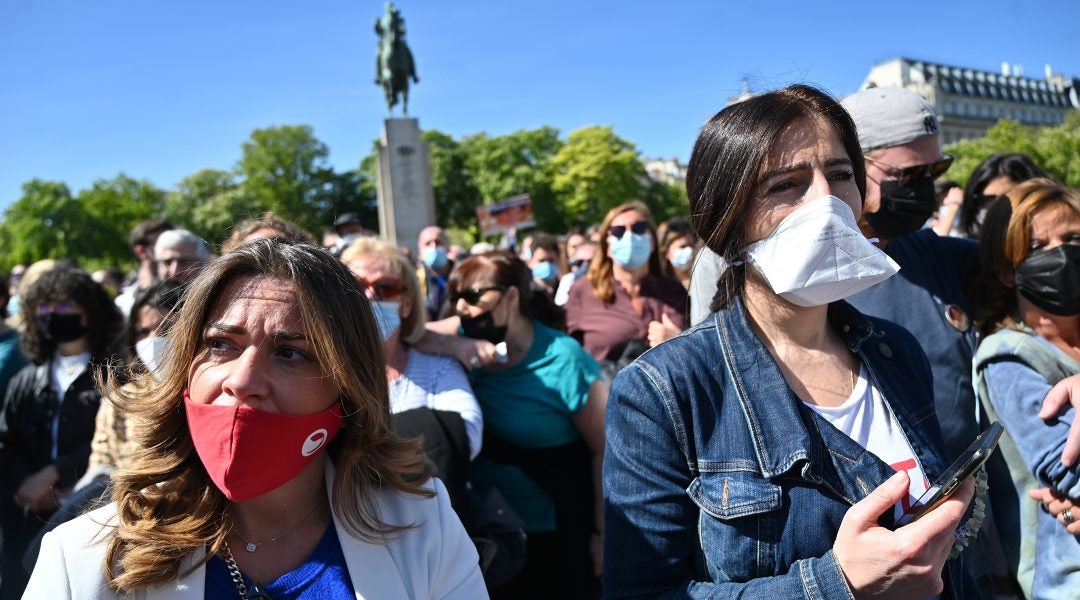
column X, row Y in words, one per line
column 50, row 578
column 457, row 574
column 706, row 271
column 453, row 393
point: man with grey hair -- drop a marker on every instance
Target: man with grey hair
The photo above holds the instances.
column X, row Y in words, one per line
column 179, row 255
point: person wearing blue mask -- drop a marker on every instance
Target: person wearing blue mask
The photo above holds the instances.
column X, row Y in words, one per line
column 624, row 304
column 544, row 260
column 434, row 267
column 678, row 246
column 430, row 395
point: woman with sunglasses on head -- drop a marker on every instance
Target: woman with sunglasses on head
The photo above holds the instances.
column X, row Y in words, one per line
column 1029, row 250
column 768, row 451
column 543, row 422
column 625, row 304
column 429, row 393
column 70, row 326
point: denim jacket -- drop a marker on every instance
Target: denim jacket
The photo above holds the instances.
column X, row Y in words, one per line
column 719, row 482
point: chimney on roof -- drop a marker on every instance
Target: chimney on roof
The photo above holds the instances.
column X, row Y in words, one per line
column 1018, row 70
column 1049, row 72
column 1005, row 68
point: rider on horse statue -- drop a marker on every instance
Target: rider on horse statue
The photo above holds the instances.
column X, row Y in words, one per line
column 394, row 62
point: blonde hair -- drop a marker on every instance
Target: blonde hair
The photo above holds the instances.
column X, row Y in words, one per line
column 167, row 506
column 601, row 272
column 284, row 229
column 399, row 265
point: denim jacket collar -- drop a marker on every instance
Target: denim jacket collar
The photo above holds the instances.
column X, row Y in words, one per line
column 786, row 433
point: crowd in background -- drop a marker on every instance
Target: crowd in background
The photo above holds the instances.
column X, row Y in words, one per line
column 502, row 357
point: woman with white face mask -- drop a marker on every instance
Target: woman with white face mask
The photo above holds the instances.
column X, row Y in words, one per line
column 624, row 304
column 768, row 451
column 429, row 393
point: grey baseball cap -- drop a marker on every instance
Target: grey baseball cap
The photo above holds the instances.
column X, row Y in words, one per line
column 890, row 116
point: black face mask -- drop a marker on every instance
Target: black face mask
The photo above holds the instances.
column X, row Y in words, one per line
column 60, row 327
column 483, row 327
column 1050, row 279
column 904, row 207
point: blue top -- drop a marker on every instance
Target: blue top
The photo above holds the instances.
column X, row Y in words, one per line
column 720, row 483
column 530, row 405
column 323, row 576
column 1014, row 369
column 927, row 298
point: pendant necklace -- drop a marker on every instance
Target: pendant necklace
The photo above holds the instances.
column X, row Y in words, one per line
column 251, row 546
column 256, row 592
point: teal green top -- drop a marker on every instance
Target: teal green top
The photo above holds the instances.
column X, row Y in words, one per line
column 531, row 405
column 11, row 359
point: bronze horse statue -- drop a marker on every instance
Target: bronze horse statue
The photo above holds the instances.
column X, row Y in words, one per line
column 394, row 63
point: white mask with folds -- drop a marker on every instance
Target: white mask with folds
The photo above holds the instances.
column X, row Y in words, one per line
column 817, row 255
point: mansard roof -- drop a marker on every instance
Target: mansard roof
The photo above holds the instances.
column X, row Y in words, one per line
column 975, row 83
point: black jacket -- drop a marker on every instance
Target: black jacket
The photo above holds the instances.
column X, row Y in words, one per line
column 26, row 426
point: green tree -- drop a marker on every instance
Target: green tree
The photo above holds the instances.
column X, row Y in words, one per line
column 112, row 207
column 516, row 163
column 595, row 171
column 284, row 169
column 666, row 200
column 1055, row 149
column 40, row 223
column 456, row 196
column 192, row 192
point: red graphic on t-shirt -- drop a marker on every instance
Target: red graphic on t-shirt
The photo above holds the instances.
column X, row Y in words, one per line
column 908, row 465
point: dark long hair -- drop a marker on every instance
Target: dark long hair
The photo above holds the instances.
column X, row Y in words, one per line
column 1017, row 167
column 507, row 270
column 726, row 163
column 68, row 284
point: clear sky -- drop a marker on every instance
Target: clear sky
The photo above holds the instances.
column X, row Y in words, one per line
column 159, row 89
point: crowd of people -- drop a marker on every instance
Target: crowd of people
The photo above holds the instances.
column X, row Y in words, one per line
column 743, row 401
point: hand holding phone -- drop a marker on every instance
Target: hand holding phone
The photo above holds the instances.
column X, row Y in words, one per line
column 946, row 485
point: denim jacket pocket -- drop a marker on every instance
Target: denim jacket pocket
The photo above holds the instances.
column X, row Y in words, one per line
column 733, row 494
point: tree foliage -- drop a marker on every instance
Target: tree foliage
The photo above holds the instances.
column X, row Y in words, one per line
column 594, row 172
column 1055, row 149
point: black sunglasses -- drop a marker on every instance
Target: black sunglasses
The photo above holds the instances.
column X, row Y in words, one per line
column 638, row 227
column 472, row 296
column 909, row 174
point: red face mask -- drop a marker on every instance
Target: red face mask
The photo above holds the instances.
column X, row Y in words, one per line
column 248, row 452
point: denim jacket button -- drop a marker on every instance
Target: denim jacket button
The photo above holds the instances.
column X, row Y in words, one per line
column 886, row 351
column 847, row 328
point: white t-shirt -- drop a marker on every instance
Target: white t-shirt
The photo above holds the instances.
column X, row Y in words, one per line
column 865, row 418
column 438, row 383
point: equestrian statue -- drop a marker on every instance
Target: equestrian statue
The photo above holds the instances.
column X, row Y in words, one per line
column 394, row 62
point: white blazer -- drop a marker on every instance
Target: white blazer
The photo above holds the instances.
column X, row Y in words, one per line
column 435, row 559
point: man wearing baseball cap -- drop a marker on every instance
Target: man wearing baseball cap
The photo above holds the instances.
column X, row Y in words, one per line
column 899, row 135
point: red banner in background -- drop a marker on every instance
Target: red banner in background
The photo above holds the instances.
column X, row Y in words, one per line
column 497, row 218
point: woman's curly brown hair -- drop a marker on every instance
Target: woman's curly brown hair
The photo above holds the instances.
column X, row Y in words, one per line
column 68, row 284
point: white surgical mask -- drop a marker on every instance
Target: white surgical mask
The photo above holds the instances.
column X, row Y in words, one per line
column 817, row 255
column 150, row 351
column 386, row 315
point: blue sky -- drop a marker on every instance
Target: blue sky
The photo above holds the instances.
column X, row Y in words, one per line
column 159, row 89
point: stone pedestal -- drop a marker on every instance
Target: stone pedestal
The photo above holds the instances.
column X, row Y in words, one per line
column 406, row 198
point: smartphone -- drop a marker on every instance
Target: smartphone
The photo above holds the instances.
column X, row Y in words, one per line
column 946, row 485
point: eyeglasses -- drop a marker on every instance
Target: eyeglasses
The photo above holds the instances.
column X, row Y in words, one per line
column 472, row 296
column 638, row 227
column 63, row 308
column 909, row 174
column 180, row 262
column 384, row 288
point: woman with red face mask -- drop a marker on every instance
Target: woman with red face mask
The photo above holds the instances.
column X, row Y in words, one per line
column 267, row 466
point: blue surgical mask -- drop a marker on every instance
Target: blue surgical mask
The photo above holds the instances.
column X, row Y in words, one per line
column 545, row 271
column 386, row 315
column 434, row 257
column 632, row 250
column 682, row 258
